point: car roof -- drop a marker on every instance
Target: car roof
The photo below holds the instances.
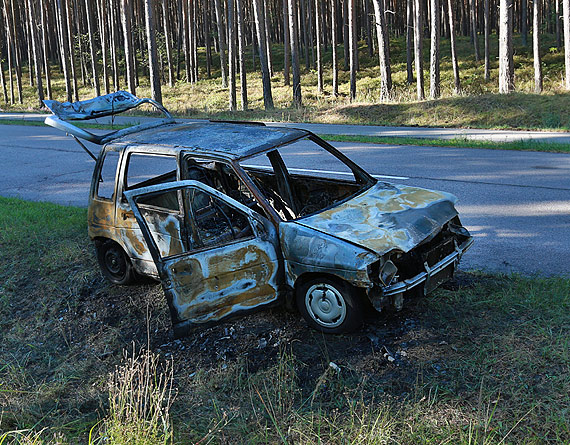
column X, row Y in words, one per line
column 229, row 140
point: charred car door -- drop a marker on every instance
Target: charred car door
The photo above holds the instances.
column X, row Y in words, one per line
column 226, row 260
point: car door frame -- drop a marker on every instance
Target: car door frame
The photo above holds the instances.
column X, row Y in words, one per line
column 263, row 230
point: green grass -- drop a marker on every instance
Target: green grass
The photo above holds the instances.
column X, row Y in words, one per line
column 479, row 105
column 484, row 360
column 522, row 145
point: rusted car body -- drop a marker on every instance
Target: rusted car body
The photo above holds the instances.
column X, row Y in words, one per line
column 230, row 220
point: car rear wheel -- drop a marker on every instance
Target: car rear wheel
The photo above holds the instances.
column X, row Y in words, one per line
column 329, row 306
column 114, row 262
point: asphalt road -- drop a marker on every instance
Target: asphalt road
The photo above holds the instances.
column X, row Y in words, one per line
column 516, row 204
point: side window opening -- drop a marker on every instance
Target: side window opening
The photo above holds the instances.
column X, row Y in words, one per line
column 217, row 223
column 221, row 177
column 106, row 183
column 148, row 169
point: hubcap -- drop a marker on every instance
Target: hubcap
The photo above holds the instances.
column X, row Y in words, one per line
column 325, row 305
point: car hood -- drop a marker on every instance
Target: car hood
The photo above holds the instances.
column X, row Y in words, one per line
column 387, row 217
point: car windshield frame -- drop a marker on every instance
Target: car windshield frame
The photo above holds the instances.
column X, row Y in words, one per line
column 361, row 176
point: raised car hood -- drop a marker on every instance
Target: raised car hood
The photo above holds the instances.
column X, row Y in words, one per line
column 387, row 217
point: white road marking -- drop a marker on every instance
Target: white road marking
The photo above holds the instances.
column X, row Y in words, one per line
column 307, row 170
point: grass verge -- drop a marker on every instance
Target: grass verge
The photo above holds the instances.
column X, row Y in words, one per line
column 552, row 147
column 483, row 360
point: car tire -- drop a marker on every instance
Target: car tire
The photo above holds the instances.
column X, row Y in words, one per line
column 115, row 265
column 329, row 306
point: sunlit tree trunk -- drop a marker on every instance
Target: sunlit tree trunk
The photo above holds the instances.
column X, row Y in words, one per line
column 409, row 40
column 232, row 55
column 45, row 49
column 241, row 41
column 286, row 45
column 168, row 43
column 352, row 47
column 35, row 51
column 434, row 87
column 383, row 50
column 334, row 44
column 418, row 48
column 566, row 20
column 505, row 48
column 473, row 4
column 318, row 35
column 129, row 56
column 294, row 34
column 536, row 46
column 487, row 50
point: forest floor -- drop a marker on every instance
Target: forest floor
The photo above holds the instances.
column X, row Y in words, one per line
column 478, row 106
column 483, row 360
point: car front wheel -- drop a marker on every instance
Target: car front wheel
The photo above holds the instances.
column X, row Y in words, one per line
column 329, row 306
column 114, row 262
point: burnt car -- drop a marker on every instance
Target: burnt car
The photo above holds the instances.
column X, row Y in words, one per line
column 234, row 216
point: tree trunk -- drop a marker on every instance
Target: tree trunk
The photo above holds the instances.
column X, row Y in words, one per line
column 3, row 82
column 524, row 32
column 487, row 50
column 505, row 48
column 232, row 54
column 368, row 28
column 474, row 28
column 345, row 33
column 434, row 86
column 318, row 33
column 102, row 15
column 409, row 40
column 91, row 31
column 383, row 50
column 566, row 21
column 334, row 44
column 286, row 45
column 536, row 46
column 241, row 41
column 557, row 20
column 155, row 90
column 352, row 47
column 418, row 49
column 45, row 50
column 71, row 52
column 266, row 79
column 168, row 43
column 129, row 60
column 114, row 44
column 36, row 53
column 265, row 11
column 221, row 43
column 207, row 40
column 294, row 34
column 453, row 51
column 63, row 47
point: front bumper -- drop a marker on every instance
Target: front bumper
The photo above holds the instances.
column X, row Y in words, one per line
column 434, row 275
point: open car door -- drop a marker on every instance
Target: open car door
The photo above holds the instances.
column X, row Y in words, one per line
column 215, row 256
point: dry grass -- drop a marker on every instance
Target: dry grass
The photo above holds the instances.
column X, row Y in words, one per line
column 485, row 360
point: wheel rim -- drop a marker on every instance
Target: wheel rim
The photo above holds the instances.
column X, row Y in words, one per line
column 115, row 262
column 325, row 305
